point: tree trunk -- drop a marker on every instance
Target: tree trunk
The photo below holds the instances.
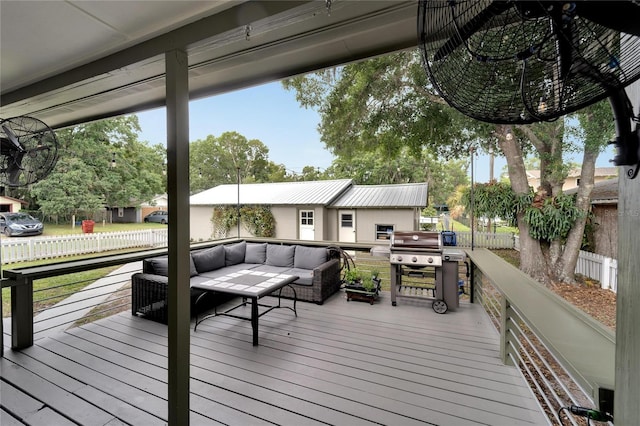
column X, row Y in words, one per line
column 566, row 265
column 531, row 258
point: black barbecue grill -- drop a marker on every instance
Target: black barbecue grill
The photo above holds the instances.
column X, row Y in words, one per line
column 414, row 253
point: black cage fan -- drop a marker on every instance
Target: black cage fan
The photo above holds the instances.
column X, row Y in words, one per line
column 28, row 151
column 519, row 62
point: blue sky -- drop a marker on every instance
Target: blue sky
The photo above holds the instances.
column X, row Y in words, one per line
column 271, row 114
column 268, row 113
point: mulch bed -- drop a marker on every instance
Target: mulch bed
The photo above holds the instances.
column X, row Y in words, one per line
column 599, row 303
column 586, row 295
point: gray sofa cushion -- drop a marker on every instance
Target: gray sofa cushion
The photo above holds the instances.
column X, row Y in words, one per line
column 256, row 253
column 234, row 253
column 209, row 259
column 309, row 257
column 306, row 276
column 278, row 255
column 160, row 266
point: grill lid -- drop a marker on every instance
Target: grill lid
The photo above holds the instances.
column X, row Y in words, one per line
column 416, row 240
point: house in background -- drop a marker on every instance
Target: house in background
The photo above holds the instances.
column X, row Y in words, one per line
column 11, row 205
column 604, row 207
column 573, row 179
column 159, row 202
column 331, row 210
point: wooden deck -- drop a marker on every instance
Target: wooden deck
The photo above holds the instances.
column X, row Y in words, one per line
column 342, row 363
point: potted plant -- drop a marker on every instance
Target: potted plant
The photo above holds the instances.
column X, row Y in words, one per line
column 361, row 286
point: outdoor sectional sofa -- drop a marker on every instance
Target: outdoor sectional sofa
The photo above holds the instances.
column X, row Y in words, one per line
column 317, row 267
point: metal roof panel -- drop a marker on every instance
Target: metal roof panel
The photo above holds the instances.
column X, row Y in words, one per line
column 281, row 193
column 371, row 196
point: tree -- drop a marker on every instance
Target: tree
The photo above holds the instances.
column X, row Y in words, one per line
column 83, row 179
column 370, row 168
column 216, row 160
column 383, row 104
column 385, row 124
column 551, row 224
column 386, row 106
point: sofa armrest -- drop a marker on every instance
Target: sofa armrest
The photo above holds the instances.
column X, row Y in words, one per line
column 149, row 296
column 326, row 280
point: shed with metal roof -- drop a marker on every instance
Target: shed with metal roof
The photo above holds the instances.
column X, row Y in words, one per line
column 333, row 210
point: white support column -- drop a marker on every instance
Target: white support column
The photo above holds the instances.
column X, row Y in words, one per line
column 627, row 387
column 177, row 86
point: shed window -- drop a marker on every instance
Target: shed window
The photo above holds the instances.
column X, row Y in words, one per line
column 306, row 217
column 383, row 232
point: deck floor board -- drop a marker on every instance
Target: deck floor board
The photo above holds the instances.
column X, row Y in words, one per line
column 337, row 363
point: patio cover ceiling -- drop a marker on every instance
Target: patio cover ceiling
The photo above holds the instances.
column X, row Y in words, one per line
column 68, row 62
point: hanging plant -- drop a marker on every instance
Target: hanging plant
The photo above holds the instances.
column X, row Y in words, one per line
column 224, row 218
column 549, row 218
column 257, row 219
column 554, row 219
column 493, row 199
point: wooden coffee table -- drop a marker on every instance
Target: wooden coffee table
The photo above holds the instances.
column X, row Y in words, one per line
column 250, row 285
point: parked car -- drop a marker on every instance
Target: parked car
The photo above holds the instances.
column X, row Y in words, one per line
column 158, row 216
column 14, row 224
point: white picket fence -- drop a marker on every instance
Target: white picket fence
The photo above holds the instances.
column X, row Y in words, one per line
column 36, row 248
column 485, row 239
column 599, row 267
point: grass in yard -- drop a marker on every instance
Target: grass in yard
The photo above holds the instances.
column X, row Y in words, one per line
column 457, row 226
column 51, row 229
column 49, row 291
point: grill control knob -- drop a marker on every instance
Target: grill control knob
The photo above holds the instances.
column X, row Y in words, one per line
column 399, row 258
column 430, row 260
column 414, row 259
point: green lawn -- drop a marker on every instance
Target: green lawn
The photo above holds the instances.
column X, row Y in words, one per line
column 457, row 226
column 53, row 229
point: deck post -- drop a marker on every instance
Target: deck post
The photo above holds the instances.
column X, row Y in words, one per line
column 177, row 88
column 22, row 314
column 627, row 377
column 504, row 330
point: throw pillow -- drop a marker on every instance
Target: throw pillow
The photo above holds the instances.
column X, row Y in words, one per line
column 208, row 259
column 234, row 253
column 309, row 257
column 192, row 267
column 278, row 255
column 160, row 266
column 256, row 253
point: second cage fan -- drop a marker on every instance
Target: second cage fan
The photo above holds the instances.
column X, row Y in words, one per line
column 28, row 151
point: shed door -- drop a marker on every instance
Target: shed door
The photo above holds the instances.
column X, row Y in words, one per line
column 306, row 225
column 347, row 226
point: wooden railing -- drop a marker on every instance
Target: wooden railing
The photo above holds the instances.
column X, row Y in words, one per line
column 566, row 355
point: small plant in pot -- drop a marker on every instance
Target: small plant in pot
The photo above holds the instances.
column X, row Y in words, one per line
column 353, row 277
column 361, row 286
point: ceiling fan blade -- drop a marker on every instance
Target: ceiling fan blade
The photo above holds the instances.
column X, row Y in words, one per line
column 626, row 18
column 468, row 29
column 12, row 137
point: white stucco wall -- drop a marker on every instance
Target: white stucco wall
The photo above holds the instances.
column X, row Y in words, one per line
column 201, row 228
column 367, row 219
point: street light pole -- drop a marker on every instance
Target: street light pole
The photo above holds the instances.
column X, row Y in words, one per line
column 472, row 201
column 238, row 203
